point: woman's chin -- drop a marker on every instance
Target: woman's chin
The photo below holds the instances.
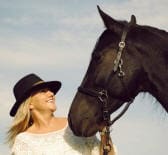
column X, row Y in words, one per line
column 52, row 108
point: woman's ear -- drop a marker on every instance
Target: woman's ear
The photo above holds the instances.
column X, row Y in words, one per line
column 31, row 106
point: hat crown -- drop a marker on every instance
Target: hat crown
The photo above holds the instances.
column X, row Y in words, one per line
column 25, row 84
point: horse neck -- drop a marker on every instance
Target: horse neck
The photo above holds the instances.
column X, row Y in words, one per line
column 157, row 72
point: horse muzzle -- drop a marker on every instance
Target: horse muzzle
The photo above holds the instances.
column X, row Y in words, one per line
column 82, row 128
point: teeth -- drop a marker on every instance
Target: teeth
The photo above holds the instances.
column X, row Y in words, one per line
column 50, row 101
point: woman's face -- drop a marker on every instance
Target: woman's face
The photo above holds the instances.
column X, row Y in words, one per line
column 43, row 100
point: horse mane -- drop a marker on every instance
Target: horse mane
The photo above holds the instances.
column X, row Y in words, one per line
column 150, row 39
column 161, row 33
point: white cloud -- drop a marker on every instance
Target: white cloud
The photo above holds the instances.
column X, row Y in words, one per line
column 21, row 53
column 82, row 21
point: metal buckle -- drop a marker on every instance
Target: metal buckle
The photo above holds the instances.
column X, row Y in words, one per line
column 121, row 44
column 103, row 95
column 107, row 147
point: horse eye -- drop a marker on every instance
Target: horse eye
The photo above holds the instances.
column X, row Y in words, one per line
column 96, row 57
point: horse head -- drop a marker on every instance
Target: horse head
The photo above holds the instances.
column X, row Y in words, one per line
column 121, row 64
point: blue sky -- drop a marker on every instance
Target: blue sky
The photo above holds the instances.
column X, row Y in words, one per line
column 54, row 39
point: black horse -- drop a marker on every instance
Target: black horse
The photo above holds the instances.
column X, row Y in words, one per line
column 128, row 58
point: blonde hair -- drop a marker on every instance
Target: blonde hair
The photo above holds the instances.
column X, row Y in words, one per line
column 21, row 122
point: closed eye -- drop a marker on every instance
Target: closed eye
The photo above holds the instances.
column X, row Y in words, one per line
column 44, row 90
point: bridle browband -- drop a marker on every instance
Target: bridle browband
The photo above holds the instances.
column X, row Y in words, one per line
column 103, row 95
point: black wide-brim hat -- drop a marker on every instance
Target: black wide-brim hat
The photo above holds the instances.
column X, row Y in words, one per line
column 29, row 84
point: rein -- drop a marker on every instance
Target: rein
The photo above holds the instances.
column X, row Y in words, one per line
column 103, row 96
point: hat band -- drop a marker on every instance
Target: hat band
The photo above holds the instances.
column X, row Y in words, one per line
column 37, row 83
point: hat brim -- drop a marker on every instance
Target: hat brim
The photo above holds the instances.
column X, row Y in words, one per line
column 54, row 86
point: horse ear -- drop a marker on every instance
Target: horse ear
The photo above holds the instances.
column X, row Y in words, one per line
column 110, row 23
column 133, row 20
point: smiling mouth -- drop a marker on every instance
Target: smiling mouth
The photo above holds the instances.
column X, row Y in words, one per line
column 51, row 101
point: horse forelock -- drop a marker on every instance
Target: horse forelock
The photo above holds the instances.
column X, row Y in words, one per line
column 107, row 37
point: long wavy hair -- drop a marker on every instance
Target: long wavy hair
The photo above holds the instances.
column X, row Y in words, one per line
column 21, row 121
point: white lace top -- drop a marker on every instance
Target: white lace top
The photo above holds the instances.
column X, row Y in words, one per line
column 61, row 142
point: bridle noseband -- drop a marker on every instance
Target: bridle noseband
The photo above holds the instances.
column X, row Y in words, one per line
column 103, row 96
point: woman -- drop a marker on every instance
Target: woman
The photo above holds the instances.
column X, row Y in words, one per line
column 35, row 129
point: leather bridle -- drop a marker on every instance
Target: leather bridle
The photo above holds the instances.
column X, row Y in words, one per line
column 103, row 95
